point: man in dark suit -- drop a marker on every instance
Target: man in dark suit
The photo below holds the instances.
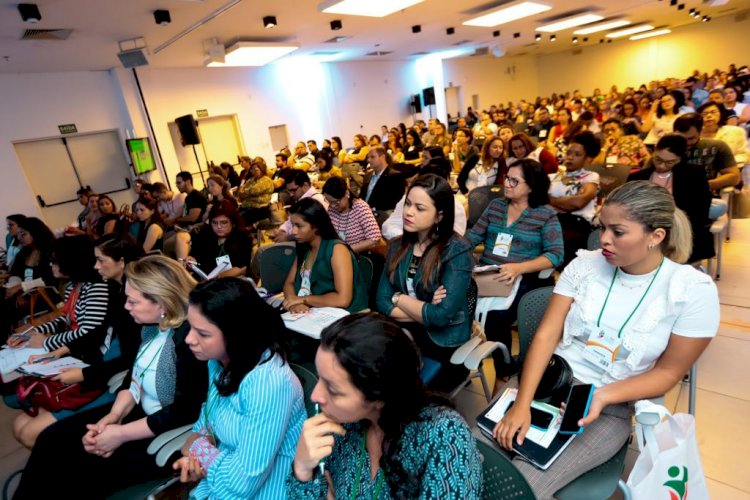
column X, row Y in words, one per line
column 383, row 186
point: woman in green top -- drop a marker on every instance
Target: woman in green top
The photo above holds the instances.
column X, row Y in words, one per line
column 325, row 273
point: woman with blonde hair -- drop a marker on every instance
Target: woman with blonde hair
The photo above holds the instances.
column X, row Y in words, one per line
column 630, row 319
column 163, row 390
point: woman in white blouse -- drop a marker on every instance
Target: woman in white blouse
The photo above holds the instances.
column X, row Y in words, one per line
column 651, row 317
column 485, row 169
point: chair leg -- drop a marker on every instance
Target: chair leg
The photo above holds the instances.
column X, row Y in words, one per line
column 485, row 385
column 718, row 257
column 710, row 267
column 626, row 495
column 692, row 388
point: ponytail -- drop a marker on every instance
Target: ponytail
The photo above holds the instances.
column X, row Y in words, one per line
column 678, row 245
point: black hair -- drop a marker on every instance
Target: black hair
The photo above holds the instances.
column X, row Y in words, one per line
column 383, row 363
column 120, row 247
column 40, row 233
column 674, row 143
column 300, row 177
column 590, row 143
column 326, row 154
column 616, row 121
column 18, row 219
column 75, row 257
column 225, row 303
column 337, row 188
column 439, row 166
column 435, row 151
column 679, row 101
column 685, row 122
column 723, row 112
column 314, row 213
column 185, row 176
column 229, row 211
column 86, row 191
column 537, row 179
column 414, row 135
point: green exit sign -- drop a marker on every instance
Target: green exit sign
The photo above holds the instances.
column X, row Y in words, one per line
column 68, row 128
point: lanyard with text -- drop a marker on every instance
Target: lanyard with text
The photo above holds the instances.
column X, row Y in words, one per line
column 603, row 344
column 358, row 477
column 136, row 381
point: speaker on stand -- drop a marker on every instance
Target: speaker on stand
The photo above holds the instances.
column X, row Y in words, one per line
column 189, row 136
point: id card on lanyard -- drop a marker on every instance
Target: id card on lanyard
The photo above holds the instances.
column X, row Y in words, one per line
column 603, row 344
column 136, row 380
column 502, row 245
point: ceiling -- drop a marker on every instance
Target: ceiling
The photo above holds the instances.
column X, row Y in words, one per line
column 98, row 25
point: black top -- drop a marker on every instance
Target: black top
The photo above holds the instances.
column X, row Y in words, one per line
column 412, row 153
column 141, row 230
column 195, row 200
column 205, row 248
column 102, row 222
column 41, row 270
column 388, row 190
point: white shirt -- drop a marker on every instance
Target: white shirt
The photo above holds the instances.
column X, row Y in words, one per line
column 557, row 188
column 393, row 227
column 173, row 207
column 150, row 357
column 682, row 301
column 478, row 177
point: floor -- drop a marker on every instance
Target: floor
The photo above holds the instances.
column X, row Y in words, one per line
column 723, row 395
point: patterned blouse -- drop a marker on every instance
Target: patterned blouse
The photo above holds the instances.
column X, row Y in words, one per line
column 570, row 184
column 629, row 150
column 437, row 453
column 357, row 224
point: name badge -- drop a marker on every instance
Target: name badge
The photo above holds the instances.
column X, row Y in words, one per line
column 135, row 388
column 502, row 245
column 220, row 261
column 612, row 159
column 543, row 133
column 602, row 347
column 342, row 235
column 28, row 274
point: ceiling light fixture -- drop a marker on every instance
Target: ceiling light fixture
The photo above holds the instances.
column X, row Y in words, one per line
column 29, row 12
column 450, row 31
column 496, row 33
column 269, row 22
column 608, row 25
column 552, row 38
column 516, row 35
column 538, row 37
column 575, row 39
column 649, row 34
column 336, row 24
column 630, row 31
column 254, row 53
column 507, row 14
column 570, row 22
column 369, row 8
column 162, row 17
column 416, row 28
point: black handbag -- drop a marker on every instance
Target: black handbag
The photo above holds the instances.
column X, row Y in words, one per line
column 555, row 384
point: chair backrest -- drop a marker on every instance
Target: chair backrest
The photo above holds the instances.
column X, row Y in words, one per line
column 308, row 380
column 500, row 478
column 479, row 198
column 366, row 268
column 275, row 262
column 611, row 175
column 531, row 309
column 594, row 242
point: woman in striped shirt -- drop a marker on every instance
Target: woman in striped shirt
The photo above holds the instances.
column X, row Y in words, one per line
column 245, row 438
column 522, row 235
column 351, row 216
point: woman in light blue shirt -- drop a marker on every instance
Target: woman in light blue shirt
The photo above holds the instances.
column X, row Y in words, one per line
column 245, row 439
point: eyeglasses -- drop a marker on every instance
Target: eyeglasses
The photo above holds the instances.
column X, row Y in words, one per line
column 220, row 223
column 666, row 163
column 709, row 112
column 512, row 181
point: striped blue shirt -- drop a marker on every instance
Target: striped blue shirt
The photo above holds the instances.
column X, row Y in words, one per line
column 256, row 428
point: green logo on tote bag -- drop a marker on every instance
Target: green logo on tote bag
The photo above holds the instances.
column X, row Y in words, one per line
column 677, row 486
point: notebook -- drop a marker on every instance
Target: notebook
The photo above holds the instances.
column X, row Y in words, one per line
column 541, row 447
column 312, row 322
column 52, row 368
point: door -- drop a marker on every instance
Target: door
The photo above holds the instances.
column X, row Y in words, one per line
column 279, row 137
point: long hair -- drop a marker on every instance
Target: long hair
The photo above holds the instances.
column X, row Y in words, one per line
column 120, row 247
column 17, row 218
column 225, row 303
column 76, row 259
column 525, row 140
column 224, row 184
column 162, row 281
column 653, row 207
column 40, row 233
column 441, row 194
column 383, row 363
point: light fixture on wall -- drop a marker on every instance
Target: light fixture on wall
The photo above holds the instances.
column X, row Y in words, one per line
column 570, row 22
column 336, row 24
column 504, row 15
column 369, row 8
column 607, row 25
column 649, row 34
column 29, row 12
column 254, row 53
column 630, row 31
column 269, row 22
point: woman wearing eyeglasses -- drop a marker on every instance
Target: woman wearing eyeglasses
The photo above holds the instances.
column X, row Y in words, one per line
column 688, row 186
column 715, row 127
column 522, row 235
column 351, row 216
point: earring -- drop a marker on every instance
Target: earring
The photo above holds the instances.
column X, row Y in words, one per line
column 650, row 246
column 162, row 316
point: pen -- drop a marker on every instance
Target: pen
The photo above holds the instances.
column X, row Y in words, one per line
column 322, row 464
column 43, row 358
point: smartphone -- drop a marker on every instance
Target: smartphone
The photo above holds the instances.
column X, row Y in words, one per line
column 539, row 419
column 576, row 407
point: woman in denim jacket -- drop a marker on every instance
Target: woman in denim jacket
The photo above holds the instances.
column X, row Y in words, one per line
column 426, row 276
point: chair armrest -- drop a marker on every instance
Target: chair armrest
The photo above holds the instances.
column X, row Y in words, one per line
column 460, row 354
column 116, row 381
column 545, row 273
column 165, row 437
column 648, row 418
column 474, row 359
column 171, row 447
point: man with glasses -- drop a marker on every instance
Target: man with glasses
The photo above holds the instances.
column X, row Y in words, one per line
column 302, row 159
column 619, row 148
column 298, row 187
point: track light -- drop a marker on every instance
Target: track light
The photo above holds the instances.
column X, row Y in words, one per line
column 29, row 12
column 516, row 35
column 681, row 6
column 162, row 17
column 585, row 39
column 496, row 33
column 416, row 28
column 450, row 31
column 269, row 22
column 553, row 38
column 336, row 24
column 575, row 39
column 538, row 37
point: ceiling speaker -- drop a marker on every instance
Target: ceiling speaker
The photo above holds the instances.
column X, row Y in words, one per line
column 133, row 58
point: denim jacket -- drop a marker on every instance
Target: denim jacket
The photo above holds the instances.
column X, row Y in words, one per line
column 447, row 323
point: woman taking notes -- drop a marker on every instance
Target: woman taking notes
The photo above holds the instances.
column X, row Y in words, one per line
column 632, row 298
column 379, row 434
column 244, row 440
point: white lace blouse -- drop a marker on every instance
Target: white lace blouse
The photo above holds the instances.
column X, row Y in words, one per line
column 682, row 301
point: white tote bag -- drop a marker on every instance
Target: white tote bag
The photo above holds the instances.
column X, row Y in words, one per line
column 669, row 465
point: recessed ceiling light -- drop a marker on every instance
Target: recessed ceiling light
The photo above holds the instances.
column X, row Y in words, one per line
column 630, row 31
column 508, row 14
column 254, row 53
column 608, row 25
column 269, row 22
column 649, row 34
column 370, row 8
column 570, row 22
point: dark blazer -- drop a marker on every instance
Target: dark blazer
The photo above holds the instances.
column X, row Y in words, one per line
column 387, row 192
column 693, row 196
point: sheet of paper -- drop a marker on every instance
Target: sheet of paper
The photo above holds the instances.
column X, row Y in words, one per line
column 11, row 359
column 53, row 367
column 314, row 321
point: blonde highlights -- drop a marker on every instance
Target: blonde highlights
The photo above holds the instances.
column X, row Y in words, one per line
column 653, row 207
column 164, row 281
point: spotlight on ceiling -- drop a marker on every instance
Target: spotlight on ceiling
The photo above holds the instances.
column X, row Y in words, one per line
column 496, row 33
column 416, row 28
column 269, row 22
column 29, row 12
column 585, row 39
column 552, row 38
column 336, row 24
column 450, row 31
column 575, row 39
column 538, row 37
column 681, row 6
column 162, row 17
column 516, row 35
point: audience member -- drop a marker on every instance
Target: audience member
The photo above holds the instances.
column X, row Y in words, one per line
column 414, row 146
column 195, row 203
column 485, row 169
column 715, row 127
column 12, row 243
column 326, row 170
column 355, row 161
column 109, row 219
column 463, row 149
column 83, row 198
column 351, row 217
column 245, row 162
column 617, row 147
column 255, row 193
column 170, row 204
column 521, row 147
column 148, row 230
column 382, row 187
column 302, row 159
column 339, row 153
column 229, row 174
column 298, row 187
column 664, row 112
column 375, row 412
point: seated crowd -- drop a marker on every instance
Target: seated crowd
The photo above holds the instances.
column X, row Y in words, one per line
column 217, row 356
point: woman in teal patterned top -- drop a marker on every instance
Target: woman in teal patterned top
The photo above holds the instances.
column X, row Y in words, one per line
column 380, row 435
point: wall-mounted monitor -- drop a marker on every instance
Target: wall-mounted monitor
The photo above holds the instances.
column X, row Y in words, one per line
column 140, row 155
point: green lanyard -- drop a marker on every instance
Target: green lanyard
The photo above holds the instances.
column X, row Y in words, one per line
column 619, row 334
column 358, row 477
column 222, row 252
column 143, row 374
column 207, row 410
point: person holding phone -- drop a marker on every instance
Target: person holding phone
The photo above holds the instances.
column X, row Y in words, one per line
column 628, row 318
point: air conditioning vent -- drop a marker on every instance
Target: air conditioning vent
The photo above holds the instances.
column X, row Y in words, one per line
column 419, row 54
column 325, row 53
column 379, row 53
column 460, row 43
column 58, row 34
column 482, row 51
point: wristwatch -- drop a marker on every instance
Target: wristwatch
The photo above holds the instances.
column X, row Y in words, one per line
column 394, row 299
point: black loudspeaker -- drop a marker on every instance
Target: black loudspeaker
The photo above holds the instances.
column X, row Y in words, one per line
column 428, row 95
column 188, row 130
column 416, row 103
